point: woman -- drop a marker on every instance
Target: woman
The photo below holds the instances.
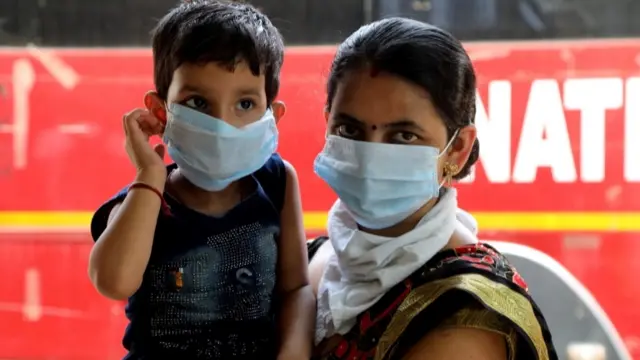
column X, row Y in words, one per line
column 398, row 276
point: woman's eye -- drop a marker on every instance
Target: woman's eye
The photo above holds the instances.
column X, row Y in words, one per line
column 245, row 105
column 197, row 103
column 404, row 137
column 347, row 131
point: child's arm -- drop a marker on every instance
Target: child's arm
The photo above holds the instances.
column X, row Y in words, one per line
column 121, row 253
column 298, row 312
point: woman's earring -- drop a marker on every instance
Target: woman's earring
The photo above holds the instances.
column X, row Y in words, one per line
column 450, row 170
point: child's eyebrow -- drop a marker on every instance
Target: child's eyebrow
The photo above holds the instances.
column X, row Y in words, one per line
column 191, row 88
column 246, row 91
column 250, row 91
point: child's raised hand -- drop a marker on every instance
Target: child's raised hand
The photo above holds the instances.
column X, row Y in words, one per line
column 139, row 125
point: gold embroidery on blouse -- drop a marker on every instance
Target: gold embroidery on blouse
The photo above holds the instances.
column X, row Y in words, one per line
column 495, row 296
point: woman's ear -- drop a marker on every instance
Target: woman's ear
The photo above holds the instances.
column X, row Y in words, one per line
column 461, row 147
column 156, row 106
column 279, row 110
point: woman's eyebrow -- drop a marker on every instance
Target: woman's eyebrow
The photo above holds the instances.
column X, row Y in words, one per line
column 404, row 124
column 346, row 118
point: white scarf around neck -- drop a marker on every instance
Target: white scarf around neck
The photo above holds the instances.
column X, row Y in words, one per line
column 365, row 266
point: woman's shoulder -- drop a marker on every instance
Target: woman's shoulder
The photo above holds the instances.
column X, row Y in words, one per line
column 319, row 251
column 478, row 258
column 458, row 343
column 469, row 286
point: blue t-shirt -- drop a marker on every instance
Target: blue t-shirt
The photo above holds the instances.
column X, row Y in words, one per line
column 209, row 289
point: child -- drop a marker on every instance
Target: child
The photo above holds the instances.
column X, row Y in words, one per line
column 210, row 251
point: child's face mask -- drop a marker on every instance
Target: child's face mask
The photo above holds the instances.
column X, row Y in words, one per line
column 211, row 153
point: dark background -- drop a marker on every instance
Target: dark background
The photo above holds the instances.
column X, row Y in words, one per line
column 310, row 22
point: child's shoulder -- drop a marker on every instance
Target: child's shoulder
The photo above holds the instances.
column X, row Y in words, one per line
column 272, row 177
column 101, row 216
column 274, row 167
column 278, row 169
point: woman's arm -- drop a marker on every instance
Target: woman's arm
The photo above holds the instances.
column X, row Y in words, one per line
column 459, row 344
column 318, row 264
column 298, row 310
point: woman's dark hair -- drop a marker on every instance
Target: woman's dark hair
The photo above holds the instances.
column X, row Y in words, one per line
column 422, row 54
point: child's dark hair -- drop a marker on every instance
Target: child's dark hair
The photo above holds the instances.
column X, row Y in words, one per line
column 422, row 54
column 224, row 32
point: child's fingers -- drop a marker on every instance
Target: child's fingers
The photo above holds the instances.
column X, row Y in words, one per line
column 150, row 124
column 128, row 118
column 158, row 128
column 160, row 150
column 132, row 125
column 146, row 128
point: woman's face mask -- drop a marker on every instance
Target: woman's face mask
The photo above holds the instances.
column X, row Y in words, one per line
column 380, row 184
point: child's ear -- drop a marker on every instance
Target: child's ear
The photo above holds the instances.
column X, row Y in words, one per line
column 155, row 105
column 279, row 109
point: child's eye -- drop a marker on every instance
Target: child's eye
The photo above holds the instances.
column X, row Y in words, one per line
column 245, row 105
column 197, row 103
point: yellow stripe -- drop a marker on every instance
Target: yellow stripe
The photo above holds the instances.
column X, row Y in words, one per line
column 316, row 220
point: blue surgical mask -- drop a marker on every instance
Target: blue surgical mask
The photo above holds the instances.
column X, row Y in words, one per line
column 211, row 153
column 380, row 184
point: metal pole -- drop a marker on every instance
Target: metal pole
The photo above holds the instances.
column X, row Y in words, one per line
column 367, row 11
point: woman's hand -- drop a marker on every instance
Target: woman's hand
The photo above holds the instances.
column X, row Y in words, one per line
column 139, row 125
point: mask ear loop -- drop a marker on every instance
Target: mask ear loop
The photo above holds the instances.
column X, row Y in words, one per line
column 167, row 116
column 450, row 169
column 167, row 112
